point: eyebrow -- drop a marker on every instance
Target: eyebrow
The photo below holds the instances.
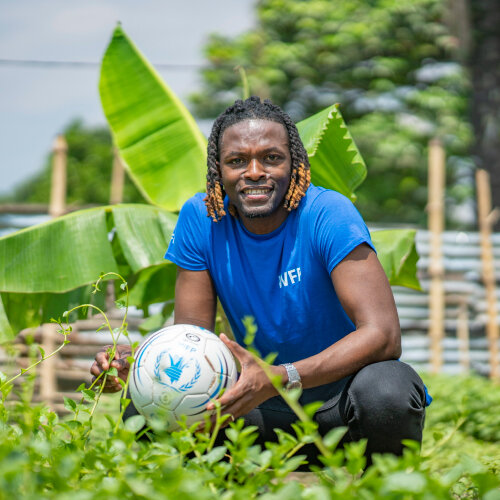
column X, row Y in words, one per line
column 267, row 150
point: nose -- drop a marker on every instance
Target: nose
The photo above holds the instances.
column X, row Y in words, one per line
column 255, row 170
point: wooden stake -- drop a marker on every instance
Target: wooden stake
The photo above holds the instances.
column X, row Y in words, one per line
column 57, row 205
column 117, row 179
column 463, row 336
column 48, row 382
column 488, row 266
column 435, row 209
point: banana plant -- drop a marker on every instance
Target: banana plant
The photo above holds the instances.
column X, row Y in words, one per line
column 48, row 268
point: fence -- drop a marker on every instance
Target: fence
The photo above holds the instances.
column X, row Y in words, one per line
column 465, row 315
column 57, row 205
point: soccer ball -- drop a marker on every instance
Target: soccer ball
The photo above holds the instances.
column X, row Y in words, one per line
column 177, row 371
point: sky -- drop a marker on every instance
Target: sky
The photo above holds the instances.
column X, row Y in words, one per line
column 37, row 102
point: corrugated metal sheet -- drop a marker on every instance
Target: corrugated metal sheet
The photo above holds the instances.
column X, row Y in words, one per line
column 464, row 291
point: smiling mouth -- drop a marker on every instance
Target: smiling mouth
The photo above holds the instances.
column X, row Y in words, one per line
column 256, row 191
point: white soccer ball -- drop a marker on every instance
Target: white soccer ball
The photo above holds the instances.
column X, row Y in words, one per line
column 177, row 371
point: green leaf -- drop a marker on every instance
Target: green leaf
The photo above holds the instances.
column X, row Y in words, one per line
column 335, row 160
column 163, row 148
column 154, row 284
column 56, row 256
column 69, row 404
column 42, row 262
column 407, row 482
column 215, row 455
column 143, row 244
column 135, row 423
column 398, row 255
column 153, row 323
column 88, row 394
column 333, row 437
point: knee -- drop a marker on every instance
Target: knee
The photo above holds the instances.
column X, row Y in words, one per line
column 390, row 390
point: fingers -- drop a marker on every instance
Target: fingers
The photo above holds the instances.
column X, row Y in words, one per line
column 240, row 352
column 103, row 364
column 102, row 359
column 112, row 384
column 226, row 399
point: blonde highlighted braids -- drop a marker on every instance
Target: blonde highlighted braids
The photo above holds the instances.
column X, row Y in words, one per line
column 254, row 108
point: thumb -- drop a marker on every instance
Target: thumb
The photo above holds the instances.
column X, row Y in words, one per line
column 240, row 352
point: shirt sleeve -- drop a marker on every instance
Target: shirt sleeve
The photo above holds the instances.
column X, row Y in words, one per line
column 188, row 242
column 338, row 228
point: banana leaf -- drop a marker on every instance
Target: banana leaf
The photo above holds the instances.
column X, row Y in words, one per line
column 398, row 255
column 46, row 267
column 56, row 256
column 143, row 234
column 335, row 160
column 158, row 139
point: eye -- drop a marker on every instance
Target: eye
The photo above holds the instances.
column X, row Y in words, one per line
column 235, row 161
column 273, row 157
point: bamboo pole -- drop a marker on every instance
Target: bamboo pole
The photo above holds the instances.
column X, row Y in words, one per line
column 48, row 382
column 463, row 336
column 435, row 210
column 488, row 266
column 57, row 205
column 117, row 179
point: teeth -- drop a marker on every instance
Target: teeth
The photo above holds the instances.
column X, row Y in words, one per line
column 256, row 191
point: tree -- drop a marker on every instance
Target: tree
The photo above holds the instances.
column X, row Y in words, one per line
column 89, row 163
column 392, row 66
column 484, row 62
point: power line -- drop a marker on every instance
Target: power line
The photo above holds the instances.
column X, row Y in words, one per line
column 85, row 64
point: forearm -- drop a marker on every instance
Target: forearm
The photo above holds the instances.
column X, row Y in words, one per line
column 363, row 346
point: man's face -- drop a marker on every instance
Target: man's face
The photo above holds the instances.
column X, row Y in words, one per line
column 255, row 166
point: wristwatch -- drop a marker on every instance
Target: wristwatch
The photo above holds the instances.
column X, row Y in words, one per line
column 294, row 381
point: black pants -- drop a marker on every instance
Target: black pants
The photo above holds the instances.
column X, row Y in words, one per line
column 383, row 402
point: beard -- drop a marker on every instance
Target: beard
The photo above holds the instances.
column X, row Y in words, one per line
column 256, row 213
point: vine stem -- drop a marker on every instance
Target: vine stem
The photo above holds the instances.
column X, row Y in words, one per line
column 112, row 352
column 36, row 363
column 219, row 420
column 292, row 403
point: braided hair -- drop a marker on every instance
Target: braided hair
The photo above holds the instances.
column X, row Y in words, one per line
column 254, row 108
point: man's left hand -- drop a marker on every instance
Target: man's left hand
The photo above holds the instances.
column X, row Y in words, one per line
column 253, row 386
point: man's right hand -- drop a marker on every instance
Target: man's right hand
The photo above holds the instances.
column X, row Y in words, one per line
column 103, row 363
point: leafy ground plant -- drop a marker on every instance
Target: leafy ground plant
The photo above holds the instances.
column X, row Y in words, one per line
column 92, row 453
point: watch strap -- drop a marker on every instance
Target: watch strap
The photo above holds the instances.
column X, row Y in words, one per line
column 294, row 380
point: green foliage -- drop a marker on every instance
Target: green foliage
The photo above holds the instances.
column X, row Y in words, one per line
column 49, row 267
column 87, row 455
column 469, row 398
column 329, row 143
column 389, row 63
column 159, row 140
column 399, row 258
column 89, row 163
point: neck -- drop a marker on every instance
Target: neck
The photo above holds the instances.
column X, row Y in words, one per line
column 265, row 225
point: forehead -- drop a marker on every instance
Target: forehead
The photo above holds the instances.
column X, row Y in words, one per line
column 254, row 132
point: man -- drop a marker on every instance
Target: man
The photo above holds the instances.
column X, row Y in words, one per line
column 299, row 260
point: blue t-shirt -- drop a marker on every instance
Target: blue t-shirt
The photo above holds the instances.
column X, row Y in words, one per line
column 281, row 279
